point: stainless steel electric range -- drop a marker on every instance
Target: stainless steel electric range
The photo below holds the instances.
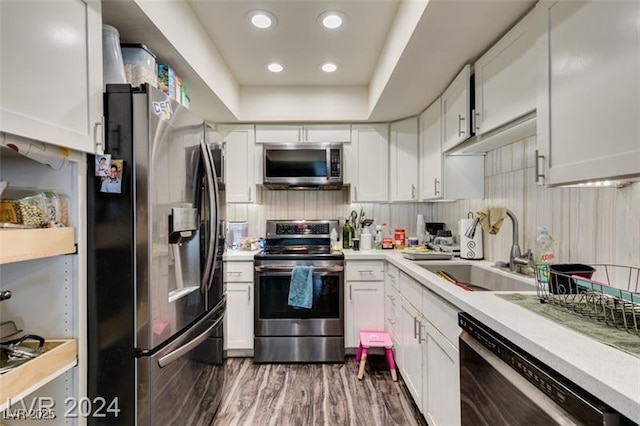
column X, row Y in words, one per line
column 284, row 333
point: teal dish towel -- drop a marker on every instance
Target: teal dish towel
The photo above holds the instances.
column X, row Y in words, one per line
column 301, row 287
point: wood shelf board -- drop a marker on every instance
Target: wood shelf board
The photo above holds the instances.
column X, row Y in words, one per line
column 58, row 357
column 25, row 244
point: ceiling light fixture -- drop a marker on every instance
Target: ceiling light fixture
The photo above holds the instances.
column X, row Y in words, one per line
column 262, row 19
column 332, row 20
column 274, row 67
column 329, row 67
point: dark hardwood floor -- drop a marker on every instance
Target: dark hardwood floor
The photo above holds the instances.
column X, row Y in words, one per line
column 314, row 394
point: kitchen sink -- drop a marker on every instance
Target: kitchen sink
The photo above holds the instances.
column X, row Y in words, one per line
column 482, row 279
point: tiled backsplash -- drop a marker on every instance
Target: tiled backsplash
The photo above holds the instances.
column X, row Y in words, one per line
column 590, row 225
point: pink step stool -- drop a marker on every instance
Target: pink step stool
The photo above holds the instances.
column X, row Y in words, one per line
column 375, row 339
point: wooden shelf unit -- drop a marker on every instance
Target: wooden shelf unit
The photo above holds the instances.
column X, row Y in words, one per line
column 58, row 357
column 25, row 244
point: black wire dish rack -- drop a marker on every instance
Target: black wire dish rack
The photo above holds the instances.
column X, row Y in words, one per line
column 604, row 292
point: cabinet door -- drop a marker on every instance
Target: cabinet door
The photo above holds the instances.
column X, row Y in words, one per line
column 411, row 353
column 363, row 308
column 404, row 160
column 456, row 104
column 327, row 133
column 441, row 403
column 240, row 155
column 278, row 133
column 51, row 71
column 505, row 77
column 369, row 163
column 431, row 152
column 591, row 89
column 238, row 323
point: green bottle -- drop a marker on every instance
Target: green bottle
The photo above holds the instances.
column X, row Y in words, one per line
column 346, row 235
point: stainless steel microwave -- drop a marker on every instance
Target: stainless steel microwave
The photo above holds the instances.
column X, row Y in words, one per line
column 303, row 165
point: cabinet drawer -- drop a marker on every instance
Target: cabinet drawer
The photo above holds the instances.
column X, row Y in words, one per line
column 442, row 315
column 239, row 272
column 365, row 271
column 393, row 276
column 411, row 291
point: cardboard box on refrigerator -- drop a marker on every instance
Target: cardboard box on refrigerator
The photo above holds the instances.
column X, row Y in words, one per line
column 166, row 80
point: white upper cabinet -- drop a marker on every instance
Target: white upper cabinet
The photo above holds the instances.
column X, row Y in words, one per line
column 51, row 72
column 242, row 163
column 505, row 77
column 441, row 176
column 431, row 152
column 367, row 163
column 287, row 133
column 456, row 108
column 404, row 160
column 589, row 91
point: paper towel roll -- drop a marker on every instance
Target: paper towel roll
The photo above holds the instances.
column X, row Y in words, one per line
column 470, row 248
column 366, row 241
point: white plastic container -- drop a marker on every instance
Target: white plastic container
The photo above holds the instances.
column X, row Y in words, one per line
column 112, row 63
column 238, row 232
column 139, row 64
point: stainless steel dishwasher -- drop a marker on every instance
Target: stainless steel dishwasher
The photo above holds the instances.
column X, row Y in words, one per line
column 501, row 384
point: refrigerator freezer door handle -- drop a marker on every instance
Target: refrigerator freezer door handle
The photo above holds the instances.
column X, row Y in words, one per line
column 213, row 218
column 182, row 350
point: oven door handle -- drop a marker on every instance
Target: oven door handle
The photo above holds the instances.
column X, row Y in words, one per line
column 332, row 269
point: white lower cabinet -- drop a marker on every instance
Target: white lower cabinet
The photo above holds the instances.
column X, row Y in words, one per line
column 427, row 355
column 440, row 378
column 238, row 326
column 364, row 299
column 412, row 348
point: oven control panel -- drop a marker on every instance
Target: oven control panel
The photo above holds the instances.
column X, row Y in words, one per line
column 302, row 228
column 308, row 228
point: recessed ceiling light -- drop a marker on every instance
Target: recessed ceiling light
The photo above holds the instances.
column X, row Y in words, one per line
column 275, row 67
column 331, row 20
column 262, row 19
column 329, row 67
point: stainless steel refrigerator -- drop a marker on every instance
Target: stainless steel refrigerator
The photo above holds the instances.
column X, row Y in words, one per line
column 155, row 285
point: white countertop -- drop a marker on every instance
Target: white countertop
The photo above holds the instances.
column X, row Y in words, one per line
column 610, row 374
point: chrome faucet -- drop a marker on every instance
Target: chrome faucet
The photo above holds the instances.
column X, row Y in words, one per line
column 516, row 260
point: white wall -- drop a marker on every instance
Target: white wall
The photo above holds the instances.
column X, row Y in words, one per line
column 590, row 225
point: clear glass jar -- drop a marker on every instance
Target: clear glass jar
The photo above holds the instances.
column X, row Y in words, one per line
column 399, row 238
column 23, row 208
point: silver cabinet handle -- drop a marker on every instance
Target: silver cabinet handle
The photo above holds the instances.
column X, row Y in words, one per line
column 415, row 327
column 366, row 271
column 99, row 136
column 391, row 277
column 461, row 131
column 420, row 339
column 436, row 182
column 234, row 272
column 475, row 119
column 350, row 292
column 249, row 193
column 539, row 178
column 413, row 191
column 355, row 193
column 249, row 294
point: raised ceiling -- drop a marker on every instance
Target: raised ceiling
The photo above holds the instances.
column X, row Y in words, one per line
column 395, row 56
